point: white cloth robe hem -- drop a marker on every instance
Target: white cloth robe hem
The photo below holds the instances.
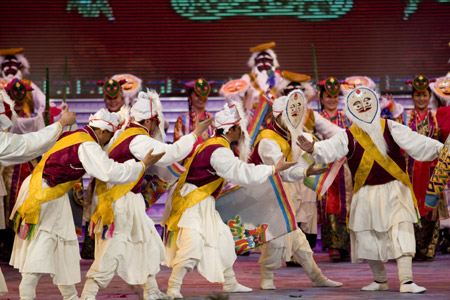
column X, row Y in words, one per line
column 55, row 236
column 136, row 249
column 282, row 248
column 215, row 252
column 19, row 148
column 381, row 216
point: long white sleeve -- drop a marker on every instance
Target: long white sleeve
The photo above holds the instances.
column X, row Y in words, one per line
column 19, row 148
column 175, row 152
column 332, row 149
column 270, row 154
column 325, row 127
column 420, row 147
column 235, row 170
column 97, row 164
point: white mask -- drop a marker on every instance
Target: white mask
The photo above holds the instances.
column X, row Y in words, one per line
column 362, row 103
column 295, row 107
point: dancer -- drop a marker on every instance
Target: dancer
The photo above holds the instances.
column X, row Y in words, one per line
column 197, row 236
column 134, row 250
column 16, row 148
column 270, row 145
column 46, row 241
column 332, row 211
column 423, row 121
column 383, row 210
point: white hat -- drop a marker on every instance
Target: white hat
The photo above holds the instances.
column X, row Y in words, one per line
column 103, row 119
column 231, row 115
column 149, row 106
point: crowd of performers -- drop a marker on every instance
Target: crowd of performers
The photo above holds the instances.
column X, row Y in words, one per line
column 378, row 158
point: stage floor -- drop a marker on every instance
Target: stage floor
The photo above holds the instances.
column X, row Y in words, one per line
column 291, row 282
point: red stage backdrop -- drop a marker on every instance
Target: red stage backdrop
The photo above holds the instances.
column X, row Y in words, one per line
column 169, row 42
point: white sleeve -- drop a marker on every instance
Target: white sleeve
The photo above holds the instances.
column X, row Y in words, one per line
column 420, row 147
column 26, row 125
column 232, row 168
column 270, row 154
column 331, row 150
column 325, row 127
column 19, row 148
column 175, row 152
column 97, row 164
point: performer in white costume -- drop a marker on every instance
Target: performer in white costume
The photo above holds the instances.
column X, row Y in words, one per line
column 16, row 149
column 135, row 249
column 382, row 212
column 46, row 241
column 288, row 113
column 197, row 236
column 305, row 199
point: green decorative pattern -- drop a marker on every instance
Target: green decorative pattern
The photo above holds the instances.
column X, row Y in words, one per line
column 91, row 8
column 205, row 10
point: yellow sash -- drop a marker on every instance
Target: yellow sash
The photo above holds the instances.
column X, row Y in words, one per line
column 284, row 145
column 107, row 197
column 372, row 154
column 181, row 203
column 37, row 195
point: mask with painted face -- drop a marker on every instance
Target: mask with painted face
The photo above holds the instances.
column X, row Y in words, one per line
column 362, row 104
column 295, row 108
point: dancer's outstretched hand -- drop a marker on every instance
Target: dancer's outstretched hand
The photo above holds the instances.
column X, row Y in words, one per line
column 151, row 159
column 282, row 165
column 305, row 145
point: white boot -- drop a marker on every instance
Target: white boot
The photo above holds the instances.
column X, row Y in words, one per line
column 231, row 285
column 313, row 271
column 175, row 281
column 379, row 275
column 267, row 278
column 412, row 288
column 69, row 292
column 90, row 289
column 151, row 291
column 27, row 287
column 404, row 265
column 375, row 286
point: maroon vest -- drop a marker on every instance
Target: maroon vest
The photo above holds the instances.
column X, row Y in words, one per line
column 201, row 172
column 254, row 157
column 65, row 165
column 121, row 153
column 377, row 174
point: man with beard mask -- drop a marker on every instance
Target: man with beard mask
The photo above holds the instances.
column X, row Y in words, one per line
column 15, row 65
column 305, row 198
column 264, row 76
column 271, row 144
column 383, row 208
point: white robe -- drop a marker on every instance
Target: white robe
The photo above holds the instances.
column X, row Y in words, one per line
column 203, row 235
column 136, row 250
column 54, row 248
column 382, row 216
column 282, row 248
